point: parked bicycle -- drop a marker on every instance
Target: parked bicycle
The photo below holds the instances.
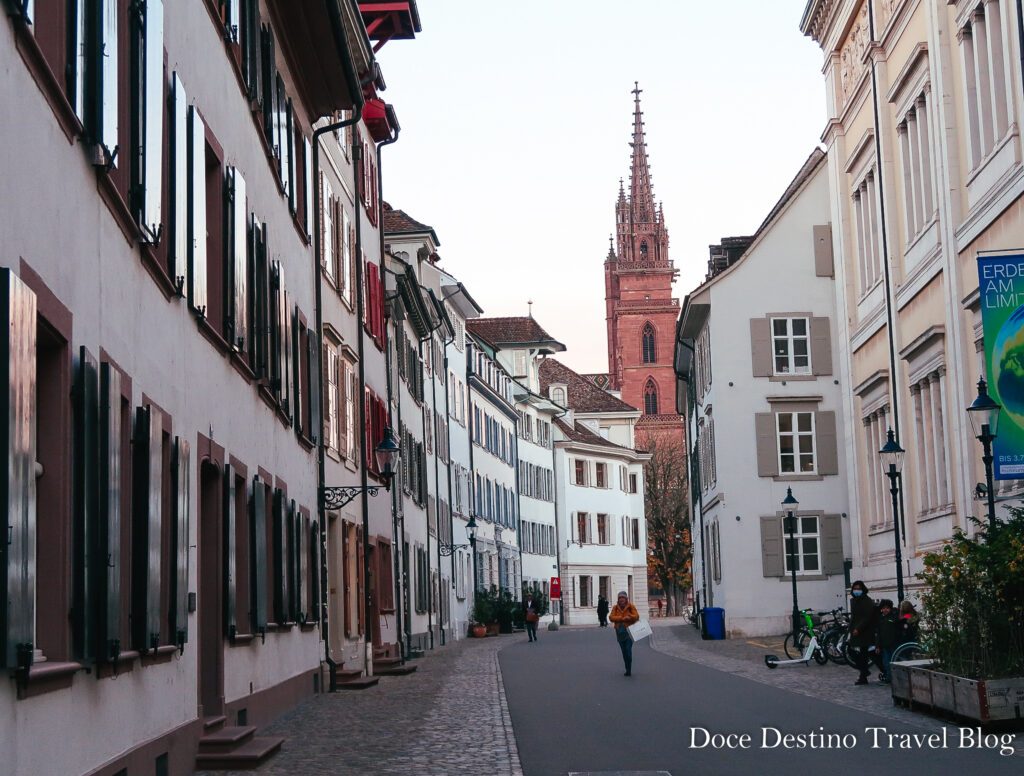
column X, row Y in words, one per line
column 911, row 650
column 827, row 632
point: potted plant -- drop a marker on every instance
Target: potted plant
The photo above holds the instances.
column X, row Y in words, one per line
column 482, row 614
column 973, row 625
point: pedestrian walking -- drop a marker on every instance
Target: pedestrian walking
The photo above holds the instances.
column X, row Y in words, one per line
column 660, row 604
column 531, row 616
column 602, row 611
column 862, row 631
column 887, row 637
column 622, row 615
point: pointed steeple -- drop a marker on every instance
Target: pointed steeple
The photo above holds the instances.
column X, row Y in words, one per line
column 611, row 248
column 641, row 195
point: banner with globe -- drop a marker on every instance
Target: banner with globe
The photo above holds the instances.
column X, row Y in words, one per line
column 1001, row 287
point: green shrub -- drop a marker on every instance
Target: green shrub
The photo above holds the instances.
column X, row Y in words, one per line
column 973, row 607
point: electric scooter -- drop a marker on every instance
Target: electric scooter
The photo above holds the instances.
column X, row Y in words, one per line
column 812, row 650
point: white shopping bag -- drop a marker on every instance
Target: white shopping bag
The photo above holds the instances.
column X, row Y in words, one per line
column 640, row 630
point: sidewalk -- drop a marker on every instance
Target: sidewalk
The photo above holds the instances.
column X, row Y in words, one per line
column 745, row 657
column 449, row 717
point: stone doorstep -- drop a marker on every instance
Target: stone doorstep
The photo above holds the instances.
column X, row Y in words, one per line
column 214, row 723
column 393, row 670
column 251, row 754
column 225, row 738
column 358, row 683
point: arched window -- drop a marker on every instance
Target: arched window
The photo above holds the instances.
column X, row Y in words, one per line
column 643, row 250
column 558, row 396
column 650, row 398
column 649, row 351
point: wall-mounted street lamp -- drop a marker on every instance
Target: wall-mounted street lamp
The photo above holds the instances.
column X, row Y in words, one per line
column 789, row 505
column 984, row 415
column 892, row 456
column 448, row 549
column 388, row 455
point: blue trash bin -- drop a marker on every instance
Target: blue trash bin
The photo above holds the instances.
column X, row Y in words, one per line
column 714, row 617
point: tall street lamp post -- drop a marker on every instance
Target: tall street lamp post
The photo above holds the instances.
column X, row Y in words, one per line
column 984, row 415
column 892, row 456
column 789, row 504
column 471, row 534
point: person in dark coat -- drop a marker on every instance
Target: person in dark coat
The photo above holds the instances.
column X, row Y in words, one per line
column 602, row 611
column 531, row 615
column 887, row 637
column 862, row 629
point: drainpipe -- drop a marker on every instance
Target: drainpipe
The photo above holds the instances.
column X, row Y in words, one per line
column 318, row 291
column 397, row 539
column 518, row 515
column 448, row 448
column 471, row 420
column 894, row 394
column 437, row 480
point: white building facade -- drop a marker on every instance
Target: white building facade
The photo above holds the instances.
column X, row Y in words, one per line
column 763, row 410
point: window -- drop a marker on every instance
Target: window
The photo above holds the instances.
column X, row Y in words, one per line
column 586, row 592
column 916, row 157
column 796, row 442
column 602, row 529
column 933, row 476
column 604, row 587
column 865, row 212
column 650, row 398
column 632, row 483
column 519, row 362
column 332, row 424
column 635, row 533
column 583, row 528
column 147, row 103
column 649, row 351
column 558, row 396
column 803, row 549
column 984, row 67
column 791, row 346
column 601, row 477
column 580, row 469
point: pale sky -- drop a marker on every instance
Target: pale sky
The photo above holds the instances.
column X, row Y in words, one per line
column 516, row 119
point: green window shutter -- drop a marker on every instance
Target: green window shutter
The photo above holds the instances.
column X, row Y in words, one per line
column 767, row 444
column 229, row 568
column 109, row 539
column 826, row 442
column 314, row 565
column 832, row 544
column 312, row 387
column 237, row 236
column 823, row 263
column 302, row 567
column 771, row 547
column 258, row 559
column 280, row 557
column 292, row 569
column 180, row 508
column 86, row 513
column 146, row 517
column 18, row 554
column 821, row 346
column 179, row 185
column 761, row 347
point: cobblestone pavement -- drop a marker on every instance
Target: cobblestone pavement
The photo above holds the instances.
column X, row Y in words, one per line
column 745, row 657
column 449, row 717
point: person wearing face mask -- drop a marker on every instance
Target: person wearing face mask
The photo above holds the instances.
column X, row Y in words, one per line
column 862, row 622
column 623, row 615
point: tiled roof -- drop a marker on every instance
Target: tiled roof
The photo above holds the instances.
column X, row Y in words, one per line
column 580, row 433
column 583, row 396
column 399, row 222
column 511, row 331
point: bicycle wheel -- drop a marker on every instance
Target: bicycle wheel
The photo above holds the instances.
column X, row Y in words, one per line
column 830, row 642
column 909, row 651
column 795, row 648
column 820, row 656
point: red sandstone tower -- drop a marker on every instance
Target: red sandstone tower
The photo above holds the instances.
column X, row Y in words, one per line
column 641, row 311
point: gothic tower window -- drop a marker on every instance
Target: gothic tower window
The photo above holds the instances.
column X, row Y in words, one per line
column 649, row 354
column 650, row 398
column 643, row 250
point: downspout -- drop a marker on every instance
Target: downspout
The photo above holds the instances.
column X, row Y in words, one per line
column 518, row 515
column 321, row 473
column 396, row 537
column 448, row 448
column 473, row 494
column 423, row 425
column 894, row 393
column 437, row 481
column 399, row 537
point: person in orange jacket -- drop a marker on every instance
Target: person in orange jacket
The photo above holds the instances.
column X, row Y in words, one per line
column 622, row 615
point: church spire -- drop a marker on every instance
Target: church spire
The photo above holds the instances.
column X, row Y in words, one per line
column 641, row 195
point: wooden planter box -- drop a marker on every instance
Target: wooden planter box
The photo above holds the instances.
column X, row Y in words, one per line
column 980, row 700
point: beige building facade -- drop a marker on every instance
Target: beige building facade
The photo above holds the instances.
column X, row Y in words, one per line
column 925, row 166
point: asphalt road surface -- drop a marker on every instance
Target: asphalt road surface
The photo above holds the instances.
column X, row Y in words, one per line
column 575, row 713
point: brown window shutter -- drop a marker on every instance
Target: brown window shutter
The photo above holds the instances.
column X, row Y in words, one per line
column 821, row 346
column 823, row 262
column 767, row 445
column 258, row 550
column 772, row 547
column 180, row 515
column 826, row 443
column 832, row 544
column 230, row 624
column 761, row 347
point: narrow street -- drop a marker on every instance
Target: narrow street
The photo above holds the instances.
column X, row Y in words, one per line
column 562, row 706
